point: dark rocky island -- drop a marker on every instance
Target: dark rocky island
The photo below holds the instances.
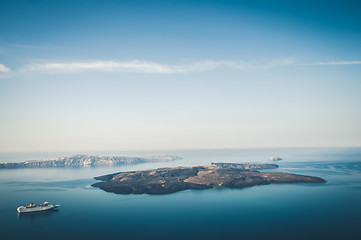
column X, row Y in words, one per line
column 170, row 180
column 87, row 160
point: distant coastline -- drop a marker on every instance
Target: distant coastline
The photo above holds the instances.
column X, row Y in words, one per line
column 87, row 160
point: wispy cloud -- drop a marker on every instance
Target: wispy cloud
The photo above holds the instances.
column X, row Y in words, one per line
column 131, row 66
column 336, row 63
column 25, row 46
column 5, row 72
column 142, row 66
column 152, row 67
column 4, row 69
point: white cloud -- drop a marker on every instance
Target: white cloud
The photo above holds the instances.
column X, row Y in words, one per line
column 132, row 66
column 153, row 67
column 25, row 46
column 237, row 65
column 338, row 63
column 4, row 69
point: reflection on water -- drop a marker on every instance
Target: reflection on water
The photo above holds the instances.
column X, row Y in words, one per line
column 33, row 215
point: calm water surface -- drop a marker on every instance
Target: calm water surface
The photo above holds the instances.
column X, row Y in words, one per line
column 287, row 211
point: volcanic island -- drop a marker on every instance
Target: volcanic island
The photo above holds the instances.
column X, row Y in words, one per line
column 217, row 175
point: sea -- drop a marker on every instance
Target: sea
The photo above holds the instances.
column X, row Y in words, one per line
column 330, row 210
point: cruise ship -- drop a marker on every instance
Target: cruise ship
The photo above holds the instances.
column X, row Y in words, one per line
column 37, row 207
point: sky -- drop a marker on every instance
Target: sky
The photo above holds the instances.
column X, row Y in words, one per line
column 148, row 75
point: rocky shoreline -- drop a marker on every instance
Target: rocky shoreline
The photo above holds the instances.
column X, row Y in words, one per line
column 170, row 180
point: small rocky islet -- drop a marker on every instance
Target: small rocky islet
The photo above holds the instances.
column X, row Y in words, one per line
column 171, row 180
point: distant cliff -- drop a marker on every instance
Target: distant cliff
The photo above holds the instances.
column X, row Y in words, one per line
column 170, row 180
column 246, row 166
column 87, row 160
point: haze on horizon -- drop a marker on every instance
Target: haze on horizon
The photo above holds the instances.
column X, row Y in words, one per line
column 146, row 75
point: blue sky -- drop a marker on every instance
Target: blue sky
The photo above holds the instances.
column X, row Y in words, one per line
column 139, row 75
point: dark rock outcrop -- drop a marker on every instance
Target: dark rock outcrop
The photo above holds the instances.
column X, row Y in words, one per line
column 170, row 180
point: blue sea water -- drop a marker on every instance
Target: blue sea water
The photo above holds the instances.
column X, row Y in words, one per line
column 284, row 211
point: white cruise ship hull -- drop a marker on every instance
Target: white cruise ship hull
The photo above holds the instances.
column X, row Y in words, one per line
column 23, row 209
